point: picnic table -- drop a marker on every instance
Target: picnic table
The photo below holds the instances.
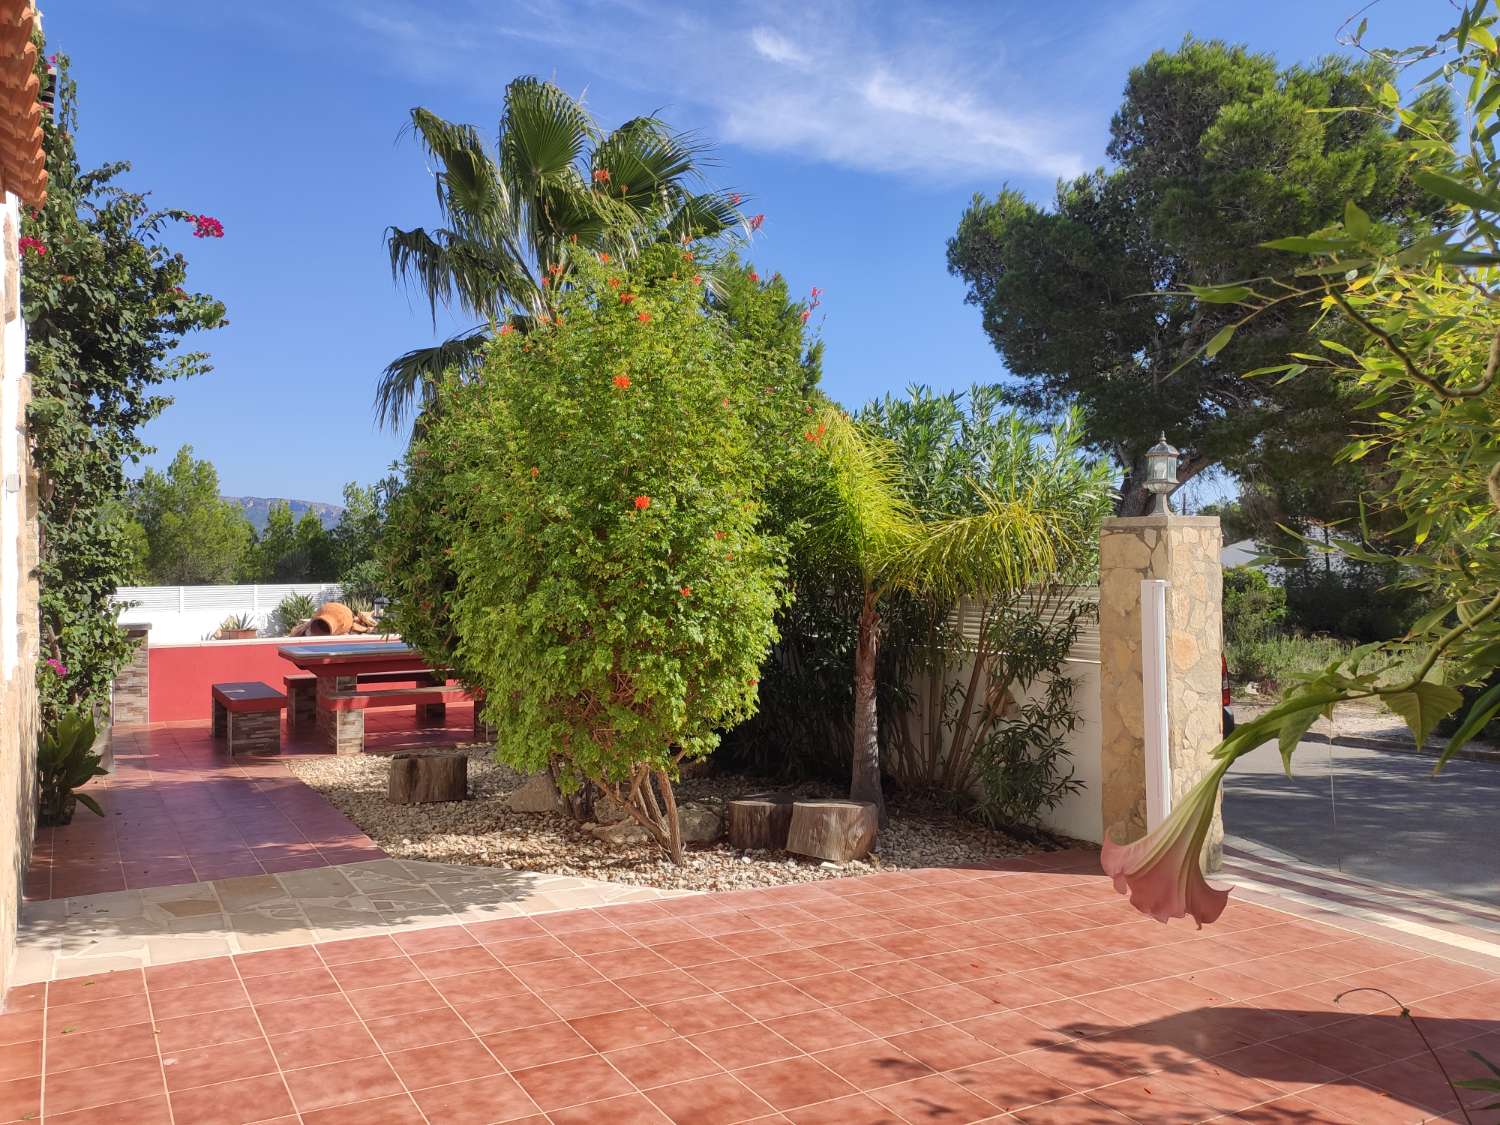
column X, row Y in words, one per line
column 340, row 668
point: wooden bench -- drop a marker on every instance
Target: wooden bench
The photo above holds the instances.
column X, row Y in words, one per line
column 302, row 693
column 248, row 716
column 346, row 733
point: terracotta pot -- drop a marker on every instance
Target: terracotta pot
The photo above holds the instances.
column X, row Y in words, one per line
column 333, row 620
column 238, row 634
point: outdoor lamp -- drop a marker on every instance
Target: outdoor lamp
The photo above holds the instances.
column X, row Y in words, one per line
column 1161, row 474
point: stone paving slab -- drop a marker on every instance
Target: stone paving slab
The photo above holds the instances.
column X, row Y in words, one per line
column 126, row 929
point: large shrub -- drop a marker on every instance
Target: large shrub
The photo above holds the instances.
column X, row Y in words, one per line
column 106, row 312
column 613, row 590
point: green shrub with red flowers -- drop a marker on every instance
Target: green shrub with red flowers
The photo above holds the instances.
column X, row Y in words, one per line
column 608, row 579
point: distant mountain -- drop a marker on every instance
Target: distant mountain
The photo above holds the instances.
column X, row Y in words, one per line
column 258, row 509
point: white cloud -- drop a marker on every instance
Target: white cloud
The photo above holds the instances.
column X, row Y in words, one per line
column 777, row 47
column 883, row 88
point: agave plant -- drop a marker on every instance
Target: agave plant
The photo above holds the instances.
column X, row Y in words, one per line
column 291, row 610
column 555, row 185
column 65, row 762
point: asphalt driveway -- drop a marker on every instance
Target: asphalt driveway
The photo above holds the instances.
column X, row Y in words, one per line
column 1374, row 814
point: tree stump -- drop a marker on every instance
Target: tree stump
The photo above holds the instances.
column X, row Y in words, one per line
column 837, row 831
column 760, row 821
column 421, row 778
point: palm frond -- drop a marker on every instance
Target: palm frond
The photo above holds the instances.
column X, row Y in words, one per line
column 542, row 135
column 414, row 377
column 866, row 519
column 706, row 215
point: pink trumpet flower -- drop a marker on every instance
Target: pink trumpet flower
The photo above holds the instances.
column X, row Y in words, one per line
column 1161, row 871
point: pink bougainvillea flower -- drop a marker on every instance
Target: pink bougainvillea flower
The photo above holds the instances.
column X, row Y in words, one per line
column 206, row 226
column 27, row 244
column 642, row 503
column 58, row 667
column 626, row 298
column 643, row 317
column 756, row 221
column 805, row 314
column 1160, row 871
column 622, row 381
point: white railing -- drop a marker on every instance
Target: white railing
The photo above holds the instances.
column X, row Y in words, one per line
column 178, row 614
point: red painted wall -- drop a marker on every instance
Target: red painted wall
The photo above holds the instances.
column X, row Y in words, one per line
column 182, row 675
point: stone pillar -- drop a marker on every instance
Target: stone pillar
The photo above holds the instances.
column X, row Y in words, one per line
column 131, row 701
column 1183, row 550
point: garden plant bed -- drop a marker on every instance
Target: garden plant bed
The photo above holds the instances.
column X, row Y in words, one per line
column 484, row 831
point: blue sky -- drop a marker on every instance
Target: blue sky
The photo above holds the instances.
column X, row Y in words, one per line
column 860, row 129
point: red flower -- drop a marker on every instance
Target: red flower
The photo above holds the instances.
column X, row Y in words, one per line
column 604, row 258
column 687, row 255
column 816, row 294
column 535, row 472
column 507, row 328
column 697, row 279
column 206, row 226
column 601, row 175
column 626, row 298
column 613, row 283
column 754, row 276
column 622, row 381
column 805, row 315
column 643, row 317
column 726, row 402
column 642, row 503
column 718, row 535
column 756, row 221
column 32, row 245
column 686, row 591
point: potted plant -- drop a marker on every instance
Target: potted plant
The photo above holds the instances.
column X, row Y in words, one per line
column 65, row 762
column 238, row 627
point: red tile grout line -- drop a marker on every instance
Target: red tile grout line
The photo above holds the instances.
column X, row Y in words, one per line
column 161, row 1065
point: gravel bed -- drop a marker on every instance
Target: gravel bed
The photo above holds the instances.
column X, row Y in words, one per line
column 483, row 831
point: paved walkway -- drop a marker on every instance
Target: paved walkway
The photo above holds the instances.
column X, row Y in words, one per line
column 1025, row 993
column 179, row 810
column 88, row 934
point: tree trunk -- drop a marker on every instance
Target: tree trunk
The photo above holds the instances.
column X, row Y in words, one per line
column 836, row 831
column 760, row 821
column 865, row 782
column 419, row 779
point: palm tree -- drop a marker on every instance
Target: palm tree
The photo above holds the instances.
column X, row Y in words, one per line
column 1022, row 529
column 555, row 186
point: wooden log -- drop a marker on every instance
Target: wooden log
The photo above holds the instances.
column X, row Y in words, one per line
column 420, row 778
column 837, row 831
column 760, row 821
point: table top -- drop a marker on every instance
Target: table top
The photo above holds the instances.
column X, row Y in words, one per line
column 362, row 652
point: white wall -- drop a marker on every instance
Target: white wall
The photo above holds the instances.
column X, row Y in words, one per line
column 181, row 614
column 1079, row 814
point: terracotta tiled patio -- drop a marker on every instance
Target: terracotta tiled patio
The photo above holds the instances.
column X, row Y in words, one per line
column 180, row 811
column 1024, row 992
